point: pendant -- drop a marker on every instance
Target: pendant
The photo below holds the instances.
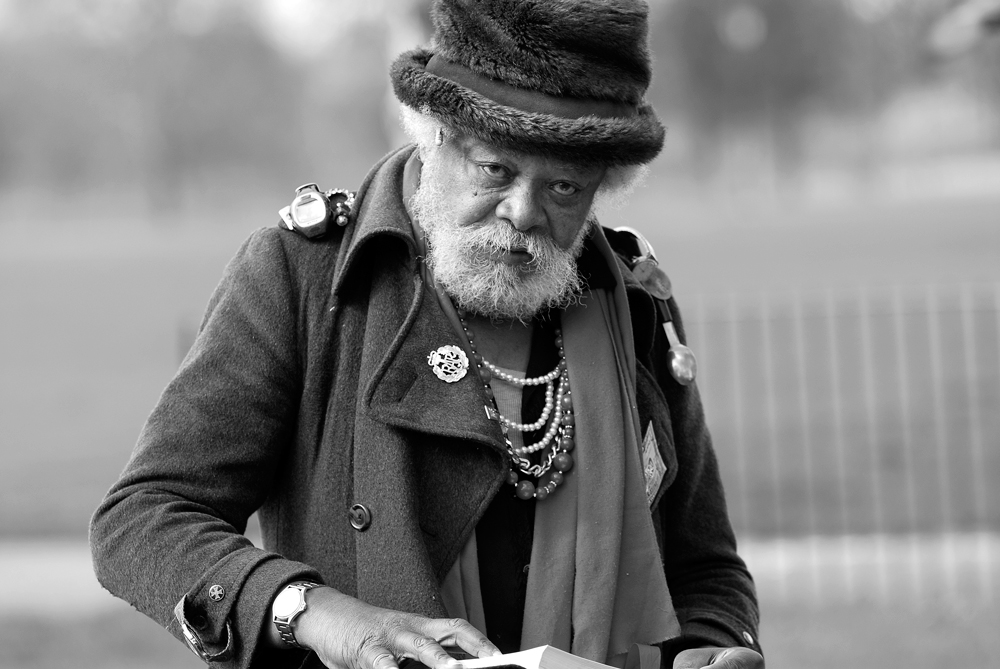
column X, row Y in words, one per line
column 683, row 365
column 449, row 363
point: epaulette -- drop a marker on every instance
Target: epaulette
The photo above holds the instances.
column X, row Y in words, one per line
column 313, row 213
column 640, row 257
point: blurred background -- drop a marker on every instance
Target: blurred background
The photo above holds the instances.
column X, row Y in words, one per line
column 827, row 206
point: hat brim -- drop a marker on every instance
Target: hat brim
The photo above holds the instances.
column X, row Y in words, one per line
column 632, row 140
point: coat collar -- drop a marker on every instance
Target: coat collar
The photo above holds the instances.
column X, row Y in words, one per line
column 381, row 214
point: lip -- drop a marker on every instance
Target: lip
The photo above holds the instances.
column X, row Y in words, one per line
column 513, row 256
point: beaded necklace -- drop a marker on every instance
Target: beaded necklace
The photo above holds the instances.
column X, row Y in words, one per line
column 558, row 414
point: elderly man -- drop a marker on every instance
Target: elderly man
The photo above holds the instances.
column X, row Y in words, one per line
column 465, row 422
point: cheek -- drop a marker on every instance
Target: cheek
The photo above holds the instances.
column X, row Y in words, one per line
column 566, row 227
column 568, row 221
column 460, row 197
column 475, row 208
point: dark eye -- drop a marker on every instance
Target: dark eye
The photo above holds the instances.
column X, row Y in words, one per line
column 565, row 188
column 493, row 170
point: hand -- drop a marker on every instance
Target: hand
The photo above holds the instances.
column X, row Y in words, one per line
column 346, row 633
column 719, row 658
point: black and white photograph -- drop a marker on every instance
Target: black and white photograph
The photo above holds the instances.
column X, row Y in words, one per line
column 474, row 334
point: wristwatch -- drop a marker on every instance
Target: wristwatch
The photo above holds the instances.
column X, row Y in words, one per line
column 287, row 606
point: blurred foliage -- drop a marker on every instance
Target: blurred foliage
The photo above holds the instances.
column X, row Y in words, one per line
column 167, row 110
column 752, row 60
column 771, row 66
column 178, row 99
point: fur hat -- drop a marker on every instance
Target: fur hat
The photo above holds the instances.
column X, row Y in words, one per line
column 564, row 78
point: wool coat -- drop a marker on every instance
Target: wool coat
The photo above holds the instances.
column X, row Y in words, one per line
column 307, row 392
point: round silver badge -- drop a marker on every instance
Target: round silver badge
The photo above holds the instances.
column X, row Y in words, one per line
column 217, row 593
column 449, row 363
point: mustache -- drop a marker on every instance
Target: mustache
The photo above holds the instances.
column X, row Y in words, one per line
column 503, row 237
column 500, row 236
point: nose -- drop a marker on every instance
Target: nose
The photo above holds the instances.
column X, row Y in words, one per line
column 522, row 206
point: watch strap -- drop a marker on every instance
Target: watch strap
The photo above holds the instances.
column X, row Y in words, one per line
column 284, row 623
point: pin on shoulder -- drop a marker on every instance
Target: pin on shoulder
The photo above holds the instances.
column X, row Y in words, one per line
column 313, row 213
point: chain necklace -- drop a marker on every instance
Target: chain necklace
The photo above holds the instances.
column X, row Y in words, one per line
column 557, row 441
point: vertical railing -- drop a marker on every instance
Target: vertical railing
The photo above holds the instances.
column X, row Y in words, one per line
column 859, row 435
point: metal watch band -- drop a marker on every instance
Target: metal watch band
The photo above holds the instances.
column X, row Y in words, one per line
column 284, row 625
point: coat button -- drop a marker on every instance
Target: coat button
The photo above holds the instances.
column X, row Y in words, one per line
column 198, row 621
column 217, row 593
column 361, row 517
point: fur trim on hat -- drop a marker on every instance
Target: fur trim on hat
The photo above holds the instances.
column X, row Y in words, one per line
column 630, row 140
column 579, row 50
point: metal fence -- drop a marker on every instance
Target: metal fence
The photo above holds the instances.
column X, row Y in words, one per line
column 859, row 435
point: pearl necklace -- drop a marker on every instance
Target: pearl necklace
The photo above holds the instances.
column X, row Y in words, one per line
column 558, row 438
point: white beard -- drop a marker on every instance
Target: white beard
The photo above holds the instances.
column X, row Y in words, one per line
column 463, row 260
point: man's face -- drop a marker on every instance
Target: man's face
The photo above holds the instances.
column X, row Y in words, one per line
column 504, row 229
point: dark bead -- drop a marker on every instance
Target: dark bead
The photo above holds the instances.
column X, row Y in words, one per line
column 525, row 490
column 485, row 374
column 512, row 477
column 568, row 420
column 563, row 462
column 488, row 391
column 568, row 431
column 478, row 358
column 567, row 402
column 559, row 341
column 542, row 493
column 556, row 477
column 567, row 444
column 562, row 365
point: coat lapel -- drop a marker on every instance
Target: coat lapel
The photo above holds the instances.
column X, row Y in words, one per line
column 402, row 389
column 412, row 430
column 407, row 394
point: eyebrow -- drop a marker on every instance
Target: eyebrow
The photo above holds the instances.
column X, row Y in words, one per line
column 496, row 153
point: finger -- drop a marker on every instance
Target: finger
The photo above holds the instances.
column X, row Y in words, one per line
column 739, row 658
column 696, row 658
column 720, row 658
column 461, row 633
column 378, row 657
column 424, row 649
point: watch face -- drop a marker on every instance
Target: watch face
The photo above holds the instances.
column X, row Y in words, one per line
column 309, row 209
column 286, row 602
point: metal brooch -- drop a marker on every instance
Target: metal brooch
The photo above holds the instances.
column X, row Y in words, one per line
column 449, row 363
